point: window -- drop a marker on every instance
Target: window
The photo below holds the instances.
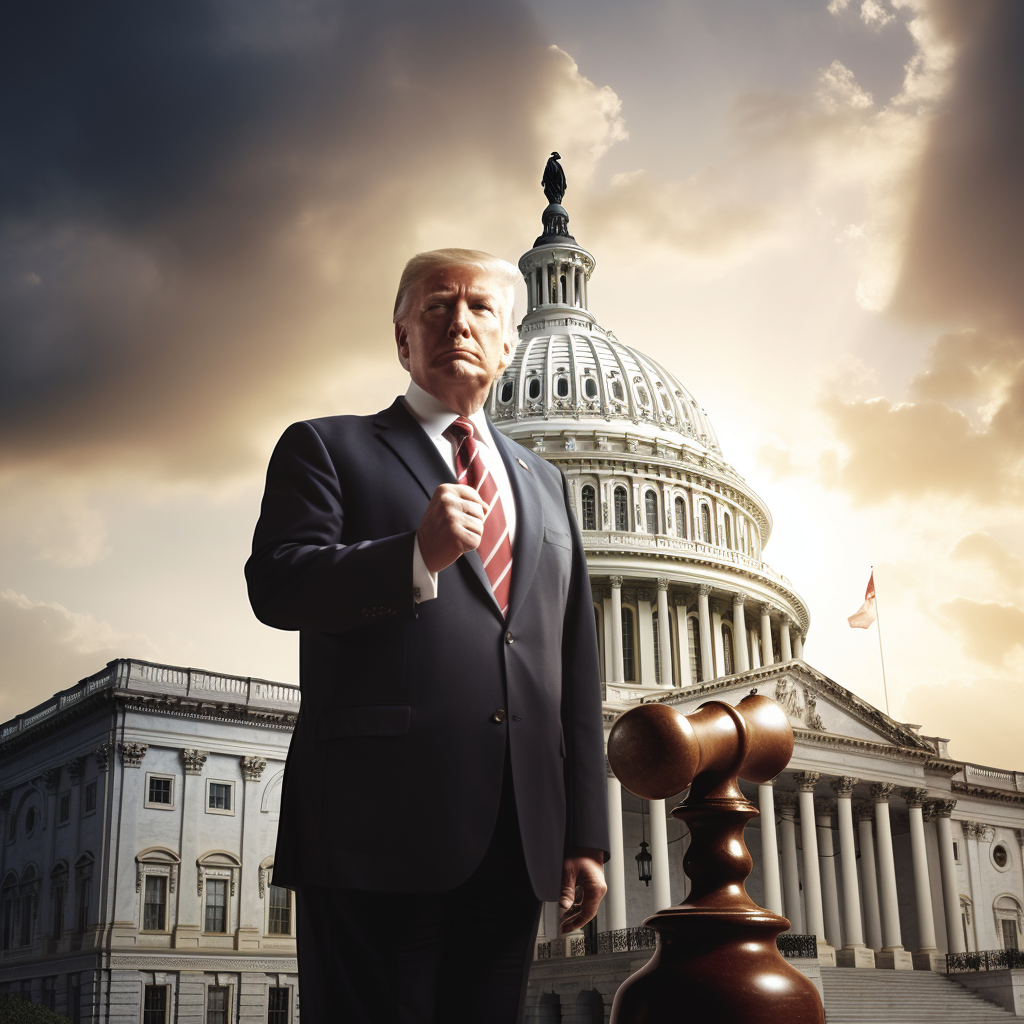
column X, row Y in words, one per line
column 216, row 905
column 693, row 638
column 956, row 851
column 628, row 659
column 617, row 393
column 277, row 1006
column 505, row 391
column 217, row 1004
column 154, row 1005
column 90, row 797
column 64, row 808
column 74, row 998
column 160, row 791
column 651, row 511
column 589, row 503
column 26, row 920
column 83, row 875
column 727, row 524
column 590, row 387
column 999, row 855
column 533, row 388
column 280, row 910
column 727, row 650
column 30, row 820
column 680, row 518
column 1009, row 935
column 154, row 910
column 641, row 393
column 219, row 797
column 621, row 510
column 50, row 993
column 562, row 387
column 9, row 891
column 705, row 522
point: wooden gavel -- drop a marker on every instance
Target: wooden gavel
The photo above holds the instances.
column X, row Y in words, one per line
column 716, row 951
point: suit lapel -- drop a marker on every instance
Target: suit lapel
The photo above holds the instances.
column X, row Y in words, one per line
column 529, row 519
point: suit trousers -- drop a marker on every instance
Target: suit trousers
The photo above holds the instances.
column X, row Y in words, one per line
column 458, row 957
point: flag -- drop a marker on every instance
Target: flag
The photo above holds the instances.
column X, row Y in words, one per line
column 865, row 614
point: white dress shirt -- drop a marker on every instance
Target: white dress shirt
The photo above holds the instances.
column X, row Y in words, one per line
column 435, row 418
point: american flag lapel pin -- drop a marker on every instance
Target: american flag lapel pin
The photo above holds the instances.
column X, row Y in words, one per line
column 523, row 464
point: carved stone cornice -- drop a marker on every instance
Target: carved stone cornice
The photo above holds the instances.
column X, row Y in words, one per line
column 51, row 778
column 1003, row 796
column 132, row 754
column 767, row 608
column 864, row 811
column 75, row 767
column 738, row 600
column 103, row 757
column 881, row 791
column 704, row 589
column 914, row 797
column 942, row 808
column 252, row 768
column 806, row 781
column 977, row 830
column 844, row 786
column 193, row 760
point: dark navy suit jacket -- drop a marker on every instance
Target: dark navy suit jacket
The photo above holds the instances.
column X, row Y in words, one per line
column 394, row 773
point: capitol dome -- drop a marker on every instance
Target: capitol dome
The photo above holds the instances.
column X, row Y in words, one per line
column 673, row 534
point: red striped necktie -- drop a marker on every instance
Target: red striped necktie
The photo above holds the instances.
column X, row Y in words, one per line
column 495, row 546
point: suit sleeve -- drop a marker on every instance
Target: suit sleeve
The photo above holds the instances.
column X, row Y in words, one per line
column 582, row 723
column 300, row 576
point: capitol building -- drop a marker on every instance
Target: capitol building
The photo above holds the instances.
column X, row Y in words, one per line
column 138, row 807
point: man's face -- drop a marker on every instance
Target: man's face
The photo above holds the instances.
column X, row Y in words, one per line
column 455, row 336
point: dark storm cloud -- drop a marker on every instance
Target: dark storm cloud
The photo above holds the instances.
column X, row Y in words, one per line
column 202, row 203
column 963, row 264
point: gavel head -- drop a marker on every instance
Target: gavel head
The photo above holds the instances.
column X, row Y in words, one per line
column 656, row 752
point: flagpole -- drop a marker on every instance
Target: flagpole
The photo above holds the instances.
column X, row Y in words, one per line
column 881, row 656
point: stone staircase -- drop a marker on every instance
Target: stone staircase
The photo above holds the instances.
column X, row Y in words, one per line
column 903, row 997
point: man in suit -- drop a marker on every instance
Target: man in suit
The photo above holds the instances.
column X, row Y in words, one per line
column 447, row 771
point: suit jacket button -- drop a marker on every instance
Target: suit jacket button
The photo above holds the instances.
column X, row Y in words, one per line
column 499, row 715
column 509, row 638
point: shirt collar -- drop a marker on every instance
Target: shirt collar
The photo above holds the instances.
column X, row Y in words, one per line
column 435, row 417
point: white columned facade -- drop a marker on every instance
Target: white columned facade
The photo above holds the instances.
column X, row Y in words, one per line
column 614, row 869
column 660, row 871
column 704, row 617
column 827, row 867
column 769, row 849
column 790, row 862
column 893, row 954
column 683, row 644
column 942, row 809
column 785, row 649
column 739, row 633
column 755, row 658
column 812, row 879
column 767, row 651
column 798, row 647
column 854, row 953
column 616, row 674
column 645, row 637
column 189, row 922
column 570, row 284
column 250, row 920
column 664, row 635
column 926, row 956
column 869, row 875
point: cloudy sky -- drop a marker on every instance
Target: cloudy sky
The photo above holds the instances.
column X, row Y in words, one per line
column 811, row 211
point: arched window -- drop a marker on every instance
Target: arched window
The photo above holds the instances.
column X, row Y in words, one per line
column 1008, row 921
column 589, row 503
column 562, row 387
column 651, row 511
column 641, row 393
column 58, row 894
column 727, row 649
column 628, row 646
column 590, row 387
column 617, row 393
column 727, row 525
column 680, row 518
column 693, row 642
column 29, row 897
column 705, row 523
column 505, row 391
column 156, row 877
column 621, row 509
column 533, row 388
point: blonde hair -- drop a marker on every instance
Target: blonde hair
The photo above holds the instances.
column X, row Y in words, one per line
column 424, row 262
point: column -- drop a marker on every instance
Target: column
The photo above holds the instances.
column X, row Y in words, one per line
column 188, row 925
column 645, row 637
column 798, row 647
column 854, row 953
column 767, row 651
column 941, row 810
column 664, row 635
column 755, row 658
column 926, row 958
column 616, row 674
column 570, row 284
column 812, row 879
column 739, row 633
column 614, row 869
column 660, row 873
column 704, row 616
column 784, row 646
column 250, row 909
column 683, row 644
column 769, row 849
column 790, row 865
column 827, row 866
column 893, row 953
column 869, row 875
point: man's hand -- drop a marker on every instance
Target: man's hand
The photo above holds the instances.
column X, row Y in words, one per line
column 452, row 525
column 584, row 870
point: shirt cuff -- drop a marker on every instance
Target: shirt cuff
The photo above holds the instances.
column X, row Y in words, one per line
column 424, row 582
